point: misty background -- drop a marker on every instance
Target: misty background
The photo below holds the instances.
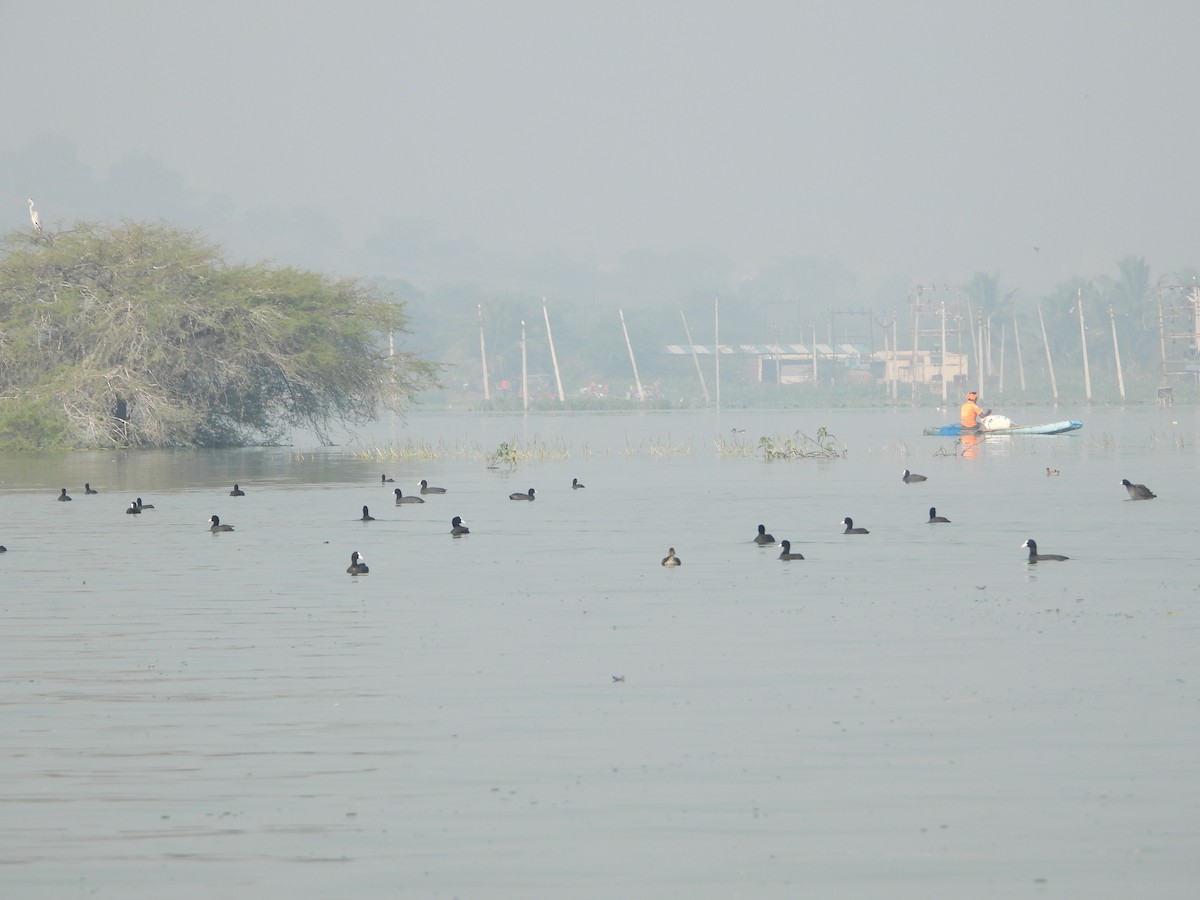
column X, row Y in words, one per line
column 791, row 159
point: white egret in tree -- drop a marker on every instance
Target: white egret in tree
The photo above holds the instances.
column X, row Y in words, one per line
column 35, row 218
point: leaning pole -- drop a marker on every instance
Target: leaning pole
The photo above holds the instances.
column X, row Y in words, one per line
column 553, row 355
column 1049, row 361
column 695, row 356
column 1117, row 352
column 637, row 380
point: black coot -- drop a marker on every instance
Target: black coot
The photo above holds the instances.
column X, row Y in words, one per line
column 1138, row 491
column 763, row 537
column 787, row 551
column 1034, row 556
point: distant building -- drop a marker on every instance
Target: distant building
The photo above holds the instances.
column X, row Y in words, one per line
column 927, row 367
column 838, row 363
column 789, row 363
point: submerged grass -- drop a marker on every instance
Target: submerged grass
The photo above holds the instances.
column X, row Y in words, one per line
column 508, row 453
column 419, row 450
column 735, row 446
column 1173, row 440
column 658, row 447
column 896, row 447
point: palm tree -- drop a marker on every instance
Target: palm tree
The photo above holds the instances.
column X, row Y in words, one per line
column 987, row 301
column 1133, row 300
column 1133, row 286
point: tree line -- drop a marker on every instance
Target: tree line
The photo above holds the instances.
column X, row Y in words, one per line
column 785, row 304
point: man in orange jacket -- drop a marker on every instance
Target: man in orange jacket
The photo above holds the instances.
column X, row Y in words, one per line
column 970, row 414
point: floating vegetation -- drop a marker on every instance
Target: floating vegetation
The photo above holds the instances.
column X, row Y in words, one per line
column 505, row 455
column 802, row 446
column 509, row 454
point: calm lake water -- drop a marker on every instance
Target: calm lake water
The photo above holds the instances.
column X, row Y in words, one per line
column 913, row 713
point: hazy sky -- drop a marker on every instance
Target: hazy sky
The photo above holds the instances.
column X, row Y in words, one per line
column 930, row 140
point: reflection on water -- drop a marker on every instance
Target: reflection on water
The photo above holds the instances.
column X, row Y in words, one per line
column 912, row 713
column 971, row 445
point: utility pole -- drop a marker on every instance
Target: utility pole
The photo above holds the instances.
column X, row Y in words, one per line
column 916, row 321
column 553, row 356
column 816, row 380
column 524, row 371
column 1087, row 375
column 1162, row 338
column 633, row 362
column 1049, row 361
column 895, row 356
column 1000, row 389
column 487, row 390
column 695, row 356
column 717, row 345
column 942, row 355
column 1020, row 362
column 1112, row 319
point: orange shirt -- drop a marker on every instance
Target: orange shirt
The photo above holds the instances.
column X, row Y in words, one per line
column 970, row 410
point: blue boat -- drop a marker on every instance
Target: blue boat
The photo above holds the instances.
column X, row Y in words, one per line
column 956, row 430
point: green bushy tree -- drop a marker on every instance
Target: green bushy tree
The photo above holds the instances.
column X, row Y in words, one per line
column 142, row 335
